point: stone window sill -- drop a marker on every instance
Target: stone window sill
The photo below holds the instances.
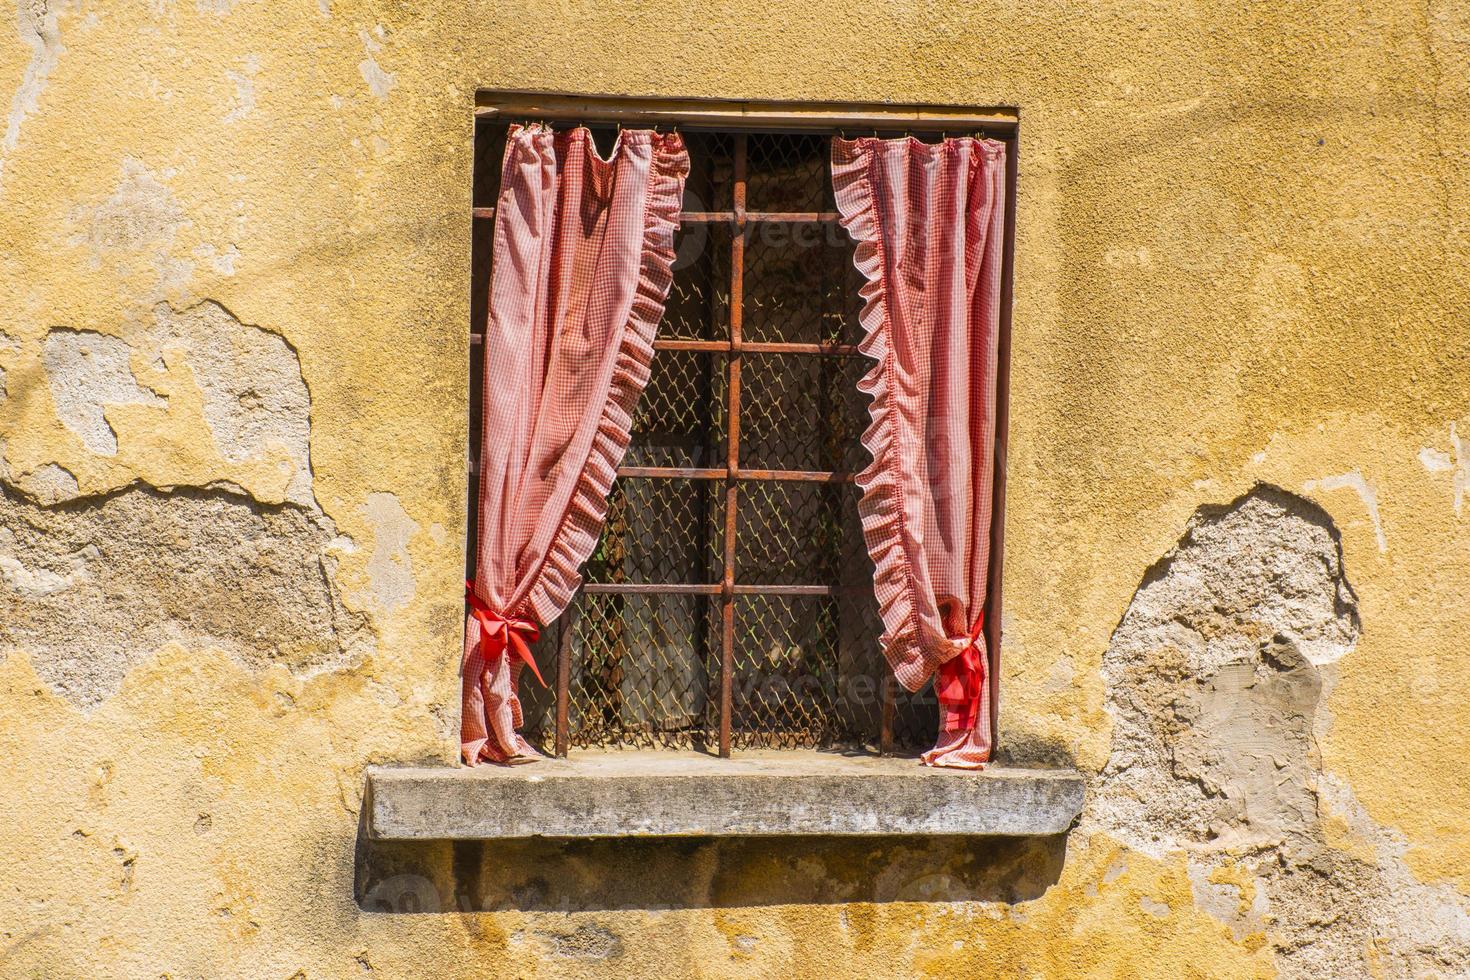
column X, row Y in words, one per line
column 677, row 794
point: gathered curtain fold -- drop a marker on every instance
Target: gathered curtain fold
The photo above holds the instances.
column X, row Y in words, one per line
column 928, row 220
column 583, row 251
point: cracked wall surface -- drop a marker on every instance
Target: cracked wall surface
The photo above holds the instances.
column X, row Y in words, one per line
column 1215, row 678
column 96, row 587
column 233, row 338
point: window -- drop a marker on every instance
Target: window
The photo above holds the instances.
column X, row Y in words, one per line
column 729, row 602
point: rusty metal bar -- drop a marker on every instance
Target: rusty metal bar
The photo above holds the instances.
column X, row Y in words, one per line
column 710, row 589
column 755, row 347
column 652, row 588
column 732, row 444
column 565, row 626
column 760, row 217
column 706, row 473
column 732, row 473
column 723, row 217
column 887, row 711
column 749, row 347
column 673, row 472
column 993, row 630
column 794, row 476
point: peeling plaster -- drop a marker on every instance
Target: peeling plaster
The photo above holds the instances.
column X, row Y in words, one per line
column 1437, row 460
column 1434, row 460
column 1462, row 470
column 94, row 589
column 244, row 80
column 48, row 485
column 37, row 25
column 255, row 401
column 390, row 568
column 1215, row 759
column 1353, row 480
column 39, row 581
column 86, row 372
column 141, row 212
column 379, row 82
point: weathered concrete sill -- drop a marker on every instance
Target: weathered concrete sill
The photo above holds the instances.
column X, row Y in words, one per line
column 675, row 794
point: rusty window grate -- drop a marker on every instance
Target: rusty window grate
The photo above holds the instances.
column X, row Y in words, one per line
column 729, row 601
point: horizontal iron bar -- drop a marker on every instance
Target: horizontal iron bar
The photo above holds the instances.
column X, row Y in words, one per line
column 710, row 473
column 748, row 347
column 727, row 217
column 770, row 217
column 713, row 589
column 755, row 347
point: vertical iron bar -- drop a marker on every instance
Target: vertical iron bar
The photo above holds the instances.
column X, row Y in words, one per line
column 705, row 505
column 732, row 457
column 565, row 626
column 1002, row 424
column 890, row 703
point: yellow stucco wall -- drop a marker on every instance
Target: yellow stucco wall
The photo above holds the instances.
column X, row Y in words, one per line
column 1240, row 258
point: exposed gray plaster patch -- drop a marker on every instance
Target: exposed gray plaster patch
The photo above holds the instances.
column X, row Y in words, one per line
column 141, row 212
column 244, row 80
column 379, row 82
column 1462, row 469
column 1434, row 460
column 255, row 400
column 1222, row 901
column 48, row 485
column 93, row 587
column 1355, row 482
column 33, row 582
column 86, row 372
column 37, row 24
column 1215, row 679
column 389, row 568
column 222, row 260
column 1155, row 908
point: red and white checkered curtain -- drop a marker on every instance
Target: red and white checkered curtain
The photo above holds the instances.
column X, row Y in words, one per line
column 928, row 220
column 583, row 250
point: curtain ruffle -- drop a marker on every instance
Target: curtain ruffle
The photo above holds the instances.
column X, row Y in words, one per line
column 576, row 238
column 925, row 222
column 560, row 575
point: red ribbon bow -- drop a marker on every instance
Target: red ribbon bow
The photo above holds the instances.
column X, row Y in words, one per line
column 505, row 632
column 960, row 682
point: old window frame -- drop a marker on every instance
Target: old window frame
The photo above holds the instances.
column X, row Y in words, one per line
column 740, row 119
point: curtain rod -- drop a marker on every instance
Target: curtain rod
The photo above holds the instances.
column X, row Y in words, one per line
column 826, row 117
